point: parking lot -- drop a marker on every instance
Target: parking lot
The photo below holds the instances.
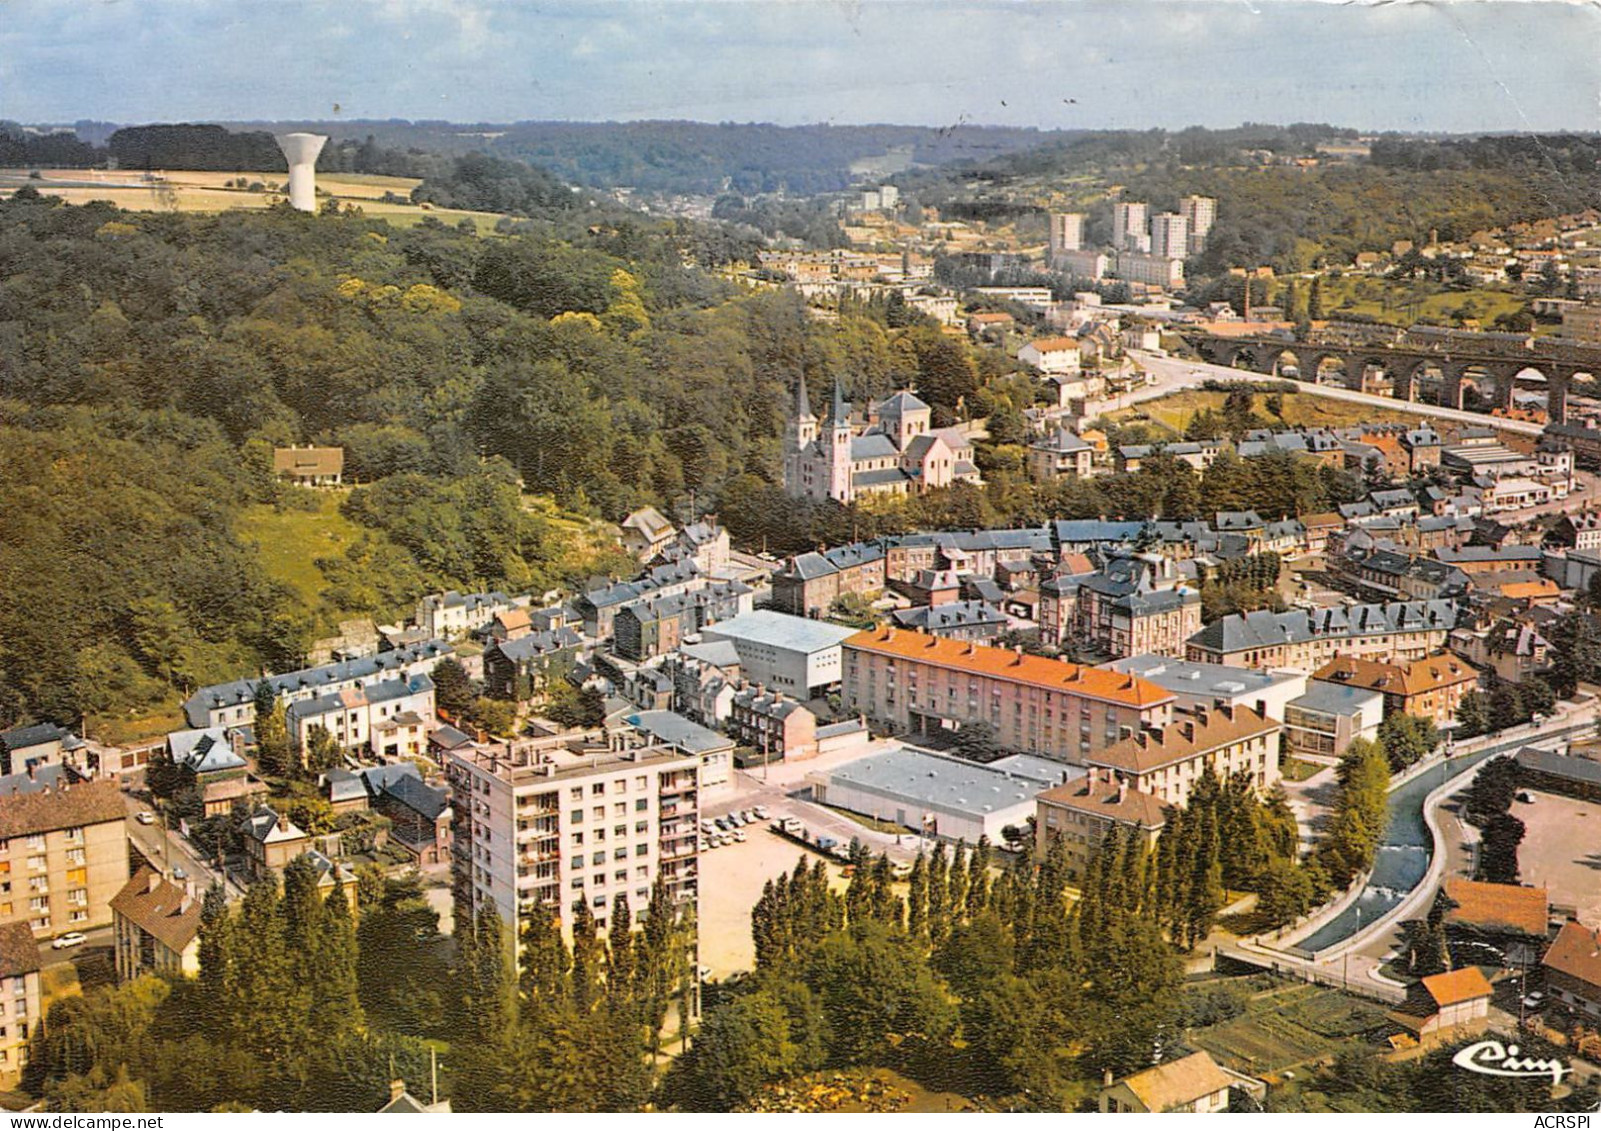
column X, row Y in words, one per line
column 1561, row 849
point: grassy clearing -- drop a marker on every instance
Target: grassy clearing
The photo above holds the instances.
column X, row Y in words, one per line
column 888, row 827
column 1290, row 1026
column 1301, row 410
column 289, row 542
column 1402, row 303
column 1294, row 769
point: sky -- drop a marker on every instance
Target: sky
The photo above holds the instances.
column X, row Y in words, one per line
column 1440, row 66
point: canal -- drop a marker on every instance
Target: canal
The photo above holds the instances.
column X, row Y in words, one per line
column 1403, row 858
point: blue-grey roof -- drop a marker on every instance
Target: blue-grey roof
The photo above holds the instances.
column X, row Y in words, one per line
column 1264, row 629
column 719, row 653
column 416, row 794
column 1085, row 530
column 380, row 692
column 951, row 614
column 834, row 730
column 38, row 734
column 780, row 630
column 341, row 785
column 874, row 445
column 203, row 751
column 240, row 691
column 1186, row 677
column 1335, row 698
column 535, row 644
column 1489, row 554
column 448, row 736
column 879, row 476
column 51, row 777
column 675, row 730
column 942, row 783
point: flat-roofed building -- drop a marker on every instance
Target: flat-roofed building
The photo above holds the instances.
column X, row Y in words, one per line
column 941, row 794
column 1328, row 718
column 542, row 825
column 715, row 750
column 1211, row 685
column 919, row 683
column 793, row 654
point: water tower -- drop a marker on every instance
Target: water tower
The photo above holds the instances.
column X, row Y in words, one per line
column 301, row 150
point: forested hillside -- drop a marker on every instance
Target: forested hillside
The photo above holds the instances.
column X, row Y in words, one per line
column 1286, row 216
column 148, row 364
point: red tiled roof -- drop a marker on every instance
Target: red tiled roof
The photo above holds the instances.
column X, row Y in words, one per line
column 1576, row 953
column 1457, row 986
column 1003, row 663
column 1498, row 907
column 87, row 803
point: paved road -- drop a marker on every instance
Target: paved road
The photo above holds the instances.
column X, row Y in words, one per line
column 1176, row 373
column 167, row 848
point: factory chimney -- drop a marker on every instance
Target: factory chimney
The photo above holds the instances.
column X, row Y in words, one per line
column 301, row 150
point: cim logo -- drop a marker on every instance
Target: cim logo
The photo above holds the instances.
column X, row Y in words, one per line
column 1492, row 1058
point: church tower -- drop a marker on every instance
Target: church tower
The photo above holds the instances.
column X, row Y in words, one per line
column 799, row 438
column 837, row 450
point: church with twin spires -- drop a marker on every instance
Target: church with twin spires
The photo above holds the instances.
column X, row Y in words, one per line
column 894, row 450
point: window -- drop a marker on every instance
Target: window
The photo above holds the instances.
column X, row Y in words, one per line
column 641, row 826
column 597, row 789
column 620, row 785
column 578, row 883
column 577, row 793
column 578, row 838
column 642, row 805
column 79, row 916
column 576, row 817
column 36, row 863
column 619, row 809
column 36, row 842
column 39, row 903
column 597, row 858
column 621, row 875
column 641, row 850
column 577, row 862
column 640, row 783
column 621, row 852
column 74, row 856
column 599, row 813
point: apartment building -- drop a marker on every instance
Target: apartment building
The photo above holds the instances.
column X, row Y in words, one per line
column 156, row 926
column 63, row 854
column 1310, row 638
column 21, row 1001
column 1166, row 762
column 1080, row 813
column 918, row 683
column 543, row 824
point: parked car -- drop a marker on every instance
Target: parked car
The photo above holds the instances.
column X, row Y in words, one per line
column 145, row 817
column 70, row 939
column 721, row 823
column 739, row 835
column 749, row 815
column 761, row 812
column 179, row 874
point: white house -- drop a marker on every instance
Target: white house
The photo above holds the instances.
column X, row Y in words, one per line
column 391, row 713
column 1051, row 355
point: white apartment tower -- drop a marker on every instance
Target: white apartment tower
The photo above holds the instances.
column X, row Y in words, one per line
column 1170, row 236
column 1199, row 212
column 1130, row 223
column 1066, row 233
column 543, row 824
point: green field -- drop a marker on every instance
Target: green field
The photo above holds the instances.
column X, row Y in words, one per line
column 290, row 541
column 1403, row 302
column 1301, row 410
column 1291, row 1025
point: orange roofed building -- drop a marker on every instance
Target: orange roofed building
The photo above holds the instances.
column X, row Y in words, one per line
column 918, row 684
column 1444, row 1002
column 1430, row 688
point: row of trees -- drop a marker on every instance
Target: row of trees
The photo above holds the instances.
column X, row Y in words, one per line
column 573, row 1028
column 990, row 983
column 273, row 1022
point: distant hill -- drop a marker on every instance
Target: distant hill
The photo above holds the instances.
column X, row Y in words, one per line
column 695, row 157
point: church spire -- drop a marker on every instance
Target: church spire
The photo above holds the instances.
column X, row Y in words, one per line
column 842, row 407
column 803, row 402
